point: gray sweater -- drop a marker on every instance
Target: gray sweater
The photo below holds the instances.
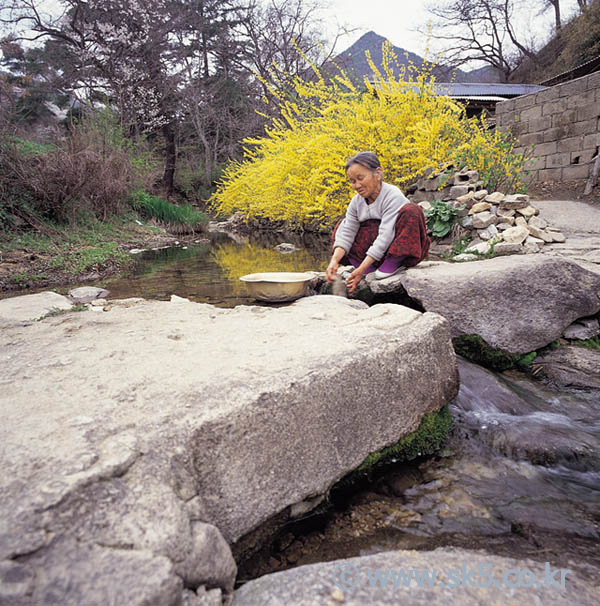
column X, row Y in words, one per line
column 386, row 207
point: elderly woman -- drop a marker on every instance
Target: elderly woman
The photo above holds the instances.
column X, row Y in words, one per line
column 382, row 230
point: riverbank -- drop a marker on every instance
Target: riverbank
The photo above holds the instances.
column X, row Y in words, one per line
column 56, row 256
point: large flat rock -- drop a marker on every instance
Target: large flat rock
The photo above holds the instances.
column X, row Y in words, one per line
column 32, row 307
column 128, row 435
column 462, row 578
column 518, row 303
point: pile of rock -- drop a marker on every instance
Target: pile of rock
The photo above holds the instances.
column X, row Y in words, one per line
column 509, row 223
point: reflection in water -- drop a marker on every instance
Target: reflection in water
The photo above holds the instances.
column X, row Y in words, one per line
column 210, row 272
column 237, row 261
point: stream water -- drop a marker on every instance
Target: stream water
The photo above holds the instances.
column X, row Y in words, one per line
column 209, row 272
column 519, row 477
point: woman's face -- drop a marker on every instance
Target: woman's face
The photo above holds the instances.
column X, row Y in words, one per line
column 366, row 182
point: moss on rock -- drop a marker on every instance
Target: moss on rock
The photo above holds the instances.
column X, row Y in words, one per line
column 428, row 438
column 475, row 349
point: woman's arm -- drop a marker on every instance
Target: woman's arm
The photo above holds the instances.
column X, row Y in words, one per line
column 356, row 276
column 331, row 271
column 344, row 237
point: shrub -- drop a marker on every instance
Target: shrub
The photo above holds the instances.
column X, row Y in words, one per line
column 92, row 171
column 295, row 171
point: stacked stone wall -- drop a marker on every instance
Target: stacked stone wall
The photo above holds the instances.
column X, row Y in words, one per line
column 559, row 126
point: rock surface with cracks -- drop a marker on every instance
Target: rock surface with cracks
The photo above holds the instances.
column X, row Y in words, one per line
column 137, row 443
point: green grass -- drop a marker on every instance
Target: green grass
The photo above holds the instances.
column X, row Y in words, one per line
column 157, row 208
column 60, row 312
column 81, row 260
column 70, row 251
column 593, row 343
column 26, row 276
column 33, row 148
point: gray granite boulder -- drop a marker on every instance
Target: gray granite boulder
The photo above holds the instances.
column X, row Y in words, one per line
column 517, row 303
column 462, row 578
column 137, row 443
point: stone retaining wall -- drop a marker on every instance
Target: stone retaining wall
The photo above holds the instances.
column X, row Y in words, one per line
column 562, row 123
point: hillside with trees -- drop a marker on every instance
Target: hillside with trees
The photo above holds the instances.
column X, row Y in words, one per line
column 488, row 31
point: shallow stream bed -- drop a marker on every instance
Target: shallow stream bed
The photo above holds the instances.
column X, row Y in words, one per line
column 209, row 272
column 519, row 477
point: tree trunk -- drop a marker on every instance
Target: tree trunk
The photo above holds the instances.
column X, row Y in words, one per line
column 170, row 157
column 556, row 4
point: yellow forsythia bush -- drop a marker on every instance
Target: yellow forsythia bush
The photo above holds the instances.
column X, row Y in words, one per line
column 295, row 172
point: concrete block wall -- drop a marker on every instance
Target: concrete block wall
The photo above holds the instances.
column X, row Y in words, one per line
column 559, row 126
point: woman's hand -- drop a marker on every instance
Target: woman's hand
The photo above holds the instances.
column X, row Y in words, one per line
column 353, row 280
column 331, row 271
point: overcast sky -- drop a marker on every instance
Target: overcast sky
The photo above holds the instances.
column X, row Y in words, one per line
column 397, row 20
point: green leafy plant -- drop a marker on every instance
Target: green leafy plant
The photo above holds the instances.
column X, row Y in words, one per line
column 440, row 218
column 526, row 359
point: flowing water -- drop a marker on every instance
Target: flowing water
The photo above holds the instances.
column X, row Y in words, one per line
column 520, row 477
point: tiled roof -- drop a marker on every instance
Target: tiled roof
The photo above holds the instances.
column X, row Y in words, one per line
column 474, row 89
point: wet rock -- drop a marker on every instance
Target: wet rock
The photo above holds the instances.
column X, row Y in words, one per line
column 572, row 366
column 316, row 583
